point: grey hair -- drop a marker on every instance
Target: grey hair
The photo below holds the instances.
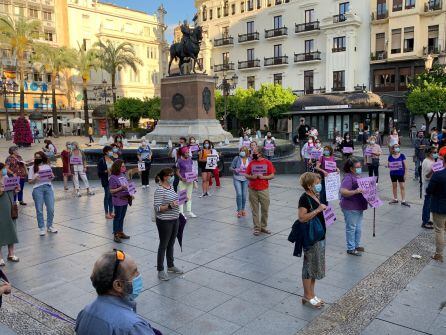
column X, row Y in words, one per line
column 102, row 275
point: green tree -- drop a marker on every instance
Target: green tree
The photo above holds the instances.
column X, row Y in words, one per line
column 276, row 100
column 54, row 60
column 19, row 35
column 249, row 105
column 129, row 109
column 152, row 108
column 231, row 106
column 115, row 56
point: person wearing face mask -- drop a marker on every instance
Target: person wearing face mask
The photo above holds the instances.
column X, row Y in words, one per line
column 79, row 169
column 393, row 138
column 398, row 174
column 144, row 154
column 8, row 232
column 420, row 145
column 42, row 192
column 353, row 205
column 119, row 141
column 120, row 198
column 104, row 168
column 306, row 149
column 205, row 173
column 194, row 149
column 238, row 167
column 17, row 166
column 324, row 169
column 118, row 283
column 115, row 151
column 167, row 212
column 347, row 142
column 372, row 152
column 269, row 146
column 66, row 171
column 302, row 134
column 184, row 165
column 313, row 160
column 434, row 142
column 244, row 141
column 426, row 175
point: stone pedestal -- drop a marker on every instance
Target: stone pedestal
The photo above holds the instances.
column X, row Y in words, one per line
column 188, row 109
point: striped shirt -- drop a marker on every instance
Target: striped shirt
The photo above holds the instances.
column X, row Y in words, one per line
column 165, row 196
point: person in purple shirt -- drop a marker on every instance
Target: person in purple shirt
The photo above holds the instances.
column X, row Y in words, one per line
column 120, row 198
column 353, row 205
column 398, row 174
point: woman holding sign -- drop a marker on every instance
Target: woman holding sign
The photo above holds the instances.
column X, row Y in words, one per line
column 187, row 177
column 204, row 166
column 325, row 165
column 347, row 146
column 40, row 176
column 78, row 164
column 398, row 172
column 238, row 167
column 371, row 157
column 16, row 164
column 8, row 232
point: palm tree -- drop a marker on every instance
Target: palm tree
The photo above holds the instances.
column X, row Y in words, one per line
column 19, row 35
column 54, row 60
column 86, row 61
column 115, row 56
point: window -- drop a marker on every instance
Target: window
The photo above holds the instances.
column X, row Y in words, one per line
column 226, row 8
column 47, row 16
column 85, row 44
column 380, row 46
column 251, row 82
column 432, row 39
column 250, row 4
column 48, row 36
column 309, row 46
column 408, row 39
column 242, row 7
column 205, row 13
column 338, row 80
column 225, row 57
column 268, row 3
column 20, row 11
column 218, row 12
column 278, row 79
column 108, row 24
column 381, row 9
column 397, row 5
column 396, row 41
column 210, row 14
column 250, row 55
column 309, row 16
column 278, row 22
column 308, row 82
column 233, row 9
column 250, row 27
column 410, row 4
column 33, row 13
column 225, row 32
column 49, row 79
column 344, row 7
column 339, row 44
column 384, row 80
column 404, row 77
column 278, row 50
column 259, row 4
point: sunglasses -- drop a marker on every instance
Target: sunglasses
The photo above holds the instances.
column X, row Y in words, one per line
column 120, row 256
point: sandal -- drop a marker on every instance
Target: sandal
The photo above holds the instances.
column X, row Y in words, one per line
column 313, row 302
column 394, row 201
column 13, row 259
column 266, row 231
column 322, row 302
column 256, row 232
column 239, row 215
column 2, row 262
column 437, row 257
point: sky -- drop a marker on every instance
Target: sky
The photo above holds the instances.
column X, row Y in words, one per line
column 177, row 10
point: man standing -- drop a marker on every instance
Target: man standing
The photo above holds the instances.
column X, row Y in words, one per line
column 420, row 144
column 437, row 190
column 259, row 172
column 117, row 282
column 302, row 133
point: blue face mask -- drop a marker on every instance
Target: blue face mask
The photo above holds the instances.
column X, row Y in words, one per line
column 397, row 150
column 171, row 180
column 137, row 287
column 110, row 154
column 358, row 170
column 318, row 188
column 242, row 154
column 326, row 153
column 115, row 150
column 435, row 156
column 4, row 172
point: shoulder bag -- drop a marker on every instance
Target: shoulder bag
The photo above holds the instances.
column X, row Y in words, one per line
column 315, row 229
column 14, row 208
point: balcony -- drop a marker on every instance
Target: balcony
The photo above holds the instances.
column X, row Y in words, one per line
column 338, row 49
column 272, row 61
column 227, row 40
column 395, row 51
column 338, row 89
column 432, row 49
column 224, row 67
column 307, row 57
column 431, row 6
column 339, row 18
column 310, row 90
column 306, row 27
column 378, row 55
column 276, row 32
column 381, row 15
column 249, row 64
column 249, row 37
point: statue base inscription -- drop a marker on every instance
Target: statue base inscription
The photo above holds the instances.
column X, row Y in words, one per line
column 188, row 109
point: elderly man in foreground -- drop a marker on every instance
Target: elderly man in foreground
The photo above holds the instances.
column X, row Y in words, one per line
column 118, row 282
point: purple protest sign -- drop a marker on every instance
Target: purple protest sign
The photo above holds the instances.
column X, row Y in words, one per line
column 438, row 166
column 259, row 169
column 315, row 154
column 347, row 150
column 194, row 148
column 370, row 192
column 11, row 183
column 330, row 166
column 268, row 146
column 182, row 197
column 131, row 188
column 396, row 166
column 76, row 160
column 190, row 176
column 368, row 151
column 123, row 181
column 45, row 175
column 329, row 216
column 246, row 144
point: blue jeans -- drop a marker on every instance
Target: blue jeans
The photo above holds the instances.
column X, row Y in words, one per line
column 44, row 195
column 426, row 209
column 20, row 194
column 118, row 220
column 108, row 203
column 353, row 228
column 241, row 190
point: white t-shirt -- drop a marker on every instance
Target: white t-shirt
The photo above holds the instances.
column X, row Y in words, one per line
column 426, row 167
column 31, row 175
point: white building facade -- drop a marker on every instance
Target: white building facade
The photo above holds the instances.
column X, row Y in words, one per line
column 310, row 46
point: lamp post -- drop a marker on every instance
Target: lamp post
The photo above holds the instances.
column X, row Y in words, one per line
column 46, row 105
column 226, row 86
column 3, row 85
column 104, row 91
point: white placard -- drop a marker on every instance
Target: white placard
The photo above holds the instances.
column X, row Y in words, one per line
column 332, row 186
column 211, row 162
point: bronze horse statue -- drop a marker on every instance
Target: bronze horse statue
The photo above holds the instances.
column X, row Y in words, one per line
column 187, row 50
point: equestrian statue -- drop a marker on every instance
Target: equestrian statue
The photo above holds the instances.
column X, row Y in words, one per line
column 188, row 48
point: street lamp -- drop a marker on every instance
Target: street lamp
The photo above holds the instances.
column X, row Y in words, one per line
column 226, row 86
column 3, row 85
column 46, row 105
column 104, row 90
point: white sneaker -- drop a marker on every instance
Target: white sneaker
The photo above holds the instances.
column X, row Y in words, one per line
column 190, row 214
column 42, row 232
column 78, row 194
column 91, row 193
column 143, row 187
column 52, row 230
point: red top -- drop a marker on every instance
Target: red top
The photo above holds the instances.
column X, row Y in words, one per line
column 65, row 154
column 260, row 184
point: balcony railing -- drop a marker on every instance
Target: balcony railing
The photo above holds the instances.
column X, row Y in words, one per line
column 339, row 18
column 224, row 67
column 379, row 55
column 249, row 64
column 408, row 49
column 338, row 49
column 228, row 40
column 248, row 37
column 283, row 31
column 310, row 90
column 397, row 8
column 431, row 50
column 276, row 60
column 432, row 5
column 338, row 89
column 381, row 15
column 395, row 51
column 308, row 26
column 307, row 56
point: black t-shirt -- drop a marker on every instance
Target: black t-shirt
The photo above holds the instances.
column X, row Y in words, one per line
column 302, row 131
column 308, row 202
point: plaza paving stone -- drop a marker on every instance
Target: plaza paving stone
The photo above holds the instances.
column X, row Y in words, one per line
column 234, row 282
